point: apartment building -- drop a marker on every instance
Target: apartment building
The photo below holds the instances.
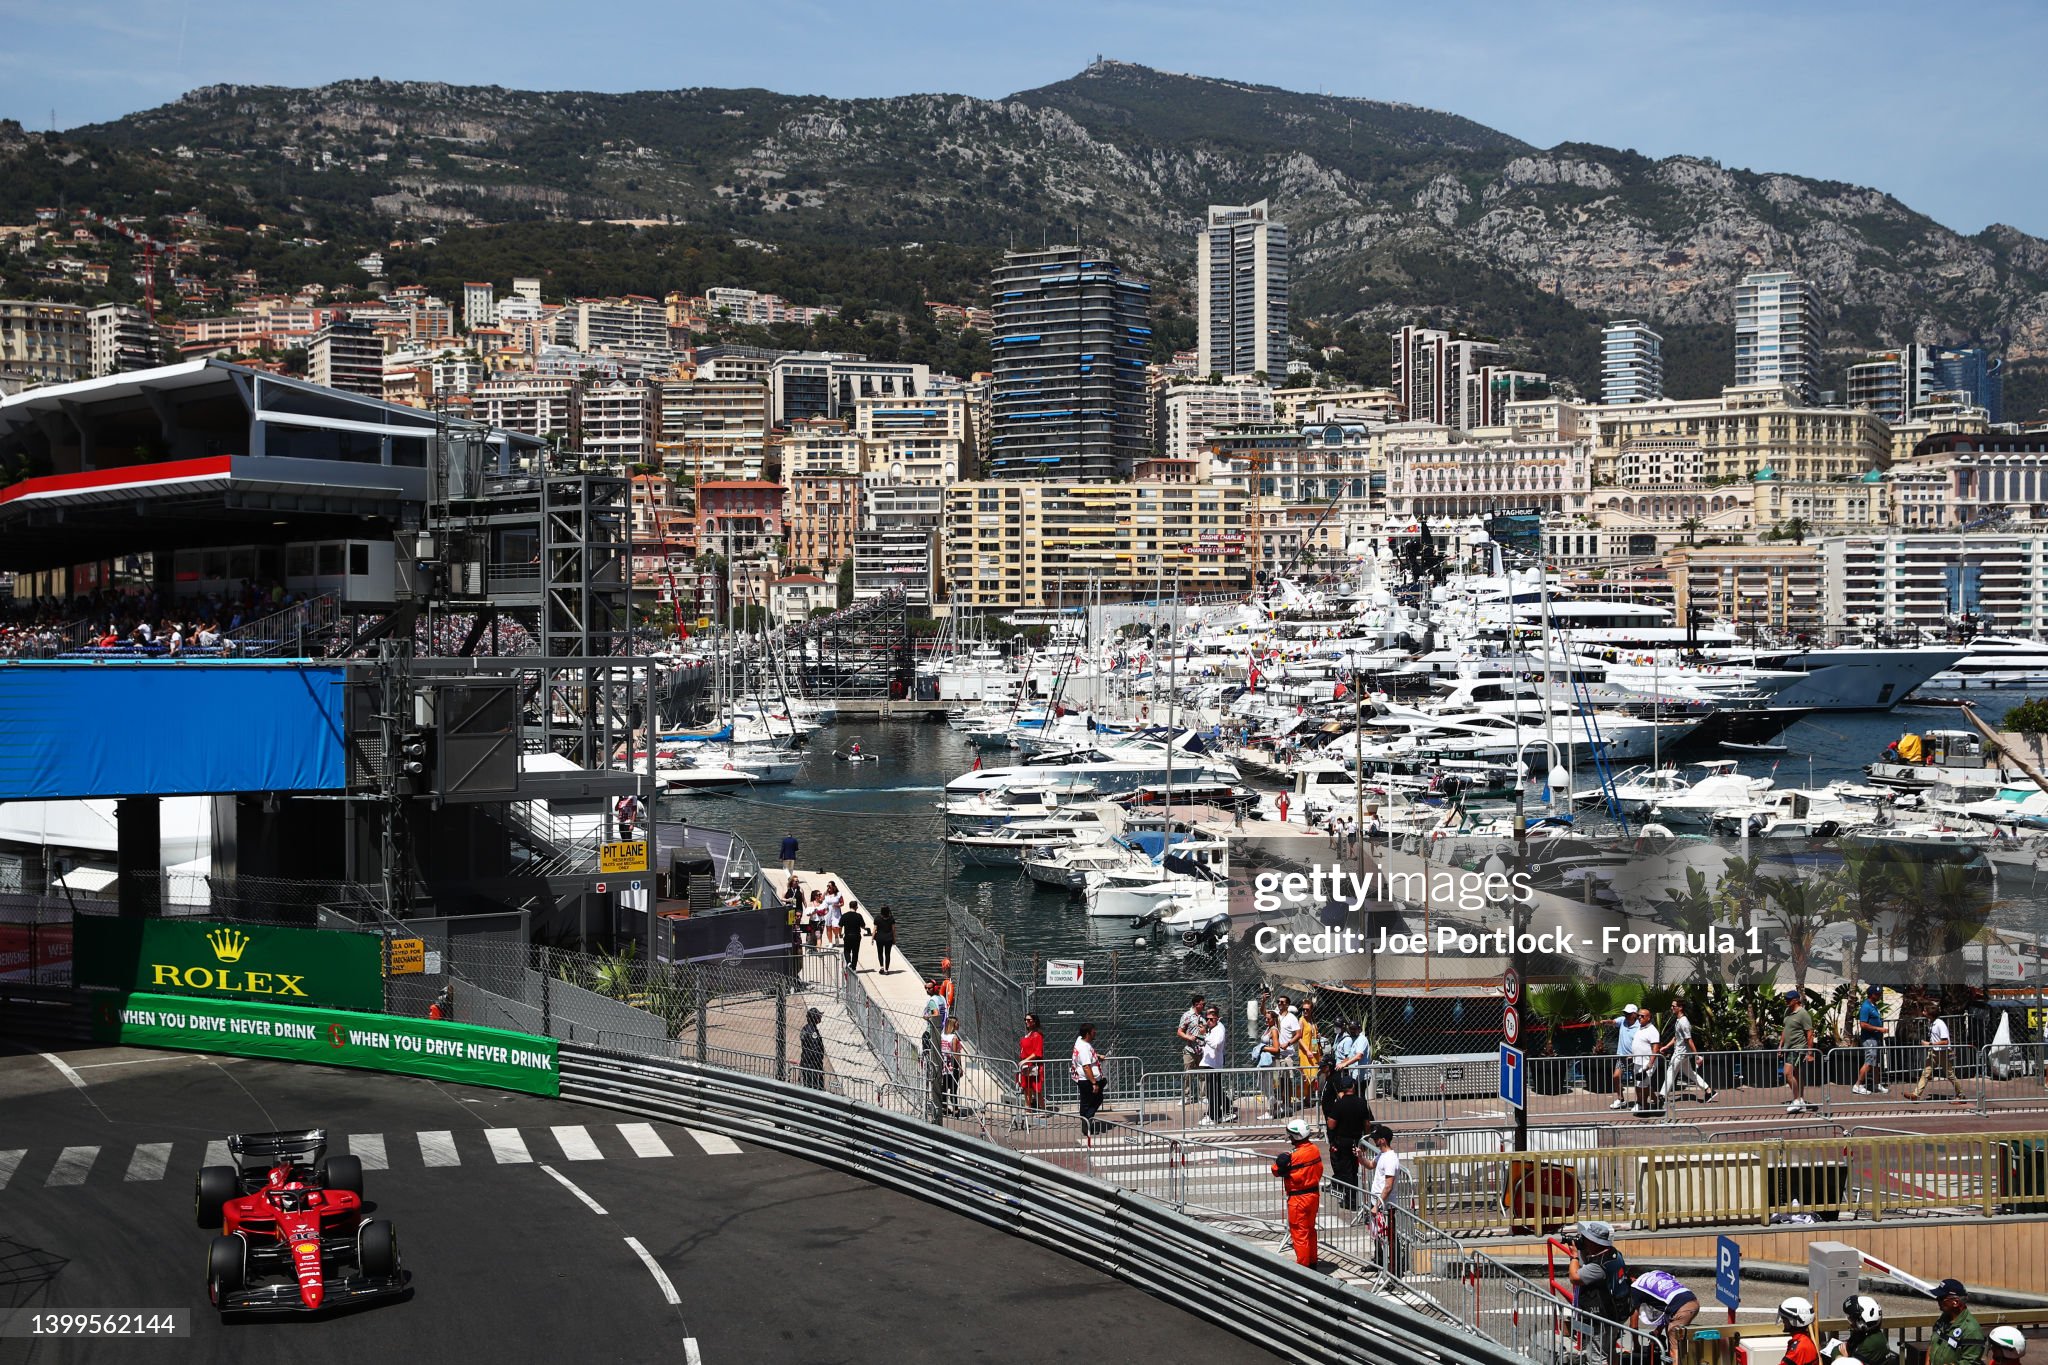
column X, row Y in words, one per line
column 1463, row 476
column 123, row 339
column 539, row 405
column 479, row 305
column 740, row 518
column 616, row 423
column 1774, row 589
column 1893, row 383
column 632, row 323
column 713, row 429
column 349, row 355
column 1924, row 580
column 1195, row 414
column 818, row 447
column 1071, row 338
column 1430, row 367
column 916, row 440
column 1958, row 480
column 1778, row 334
column 823, row 515
column 805, row 384
column 43, row 343
column 1241, row 292
column 1010, row 544
column 1631, row 363
column 1746, row 431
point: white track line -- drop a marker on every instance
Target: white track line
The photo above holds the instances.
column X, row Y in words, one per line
column 644, row 1141
column 668, row 1288
column 368, row 1148
column 437, row 1148
column 576, row 1143
column 507, row 1146
column 563, row 1181
column 64, row 1067
column 8, row 1161
column 217, row 1153
column 149, row 1161
column 715, row 1143
column 690, row 1356
column 73, row 1165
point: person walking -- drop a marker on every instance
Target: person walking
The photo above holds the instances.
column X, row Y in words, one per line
column 1644, row 1051
column 811, row 1051
column 1795, row 1047
column 1345, row 1121
column 1215, row 1056
column 835, row 906
column 1192, row 1026
column 952, row 1058
column 1624, row 1053
column 1301, row 1176
column 1031, row 1065
column 1087, row 1071
column 885, row 938
column 789, row 846
column 1281, row 806
column 1386, row 1188
column 852, row 925
column 1940, row 1058
column 1284, row 1060
column 1870, row 1035
column 1308, row 1054
column 1958, row 1338
column 814, row 920
column 1685, row 1055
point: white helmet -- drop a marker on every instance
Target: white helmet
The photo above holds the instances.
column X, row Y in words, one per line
column 1796, row 1313
column 2009, row 1339
column 1862, row 1311
column 1298, row 1129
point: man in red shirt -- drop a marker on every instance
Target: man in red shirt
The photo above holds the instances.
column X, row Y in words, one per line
column 1031, row 1064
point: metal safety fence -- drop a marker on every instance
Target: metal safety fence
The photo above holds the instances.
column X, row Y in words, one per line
column 1142, row 1240
column 1756, row 1181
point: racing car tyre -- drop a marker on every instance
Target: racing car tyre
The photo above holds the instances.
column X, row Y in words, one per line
column 342, row 1173
column 211, row 1188
column 377, row 1247
column 227, row 1263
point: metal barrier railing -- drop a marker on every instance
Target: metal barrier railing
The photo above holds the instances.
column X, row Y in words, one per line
column 1140, row 1239
column 1864, row 1177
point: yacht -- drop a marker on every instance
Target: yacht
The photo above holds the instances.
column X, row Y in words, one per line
column 1120, row 768
column 1670, row 799
column 1020, row 800
column 1941, row 758
column 1996, row 659
column 1010, row 845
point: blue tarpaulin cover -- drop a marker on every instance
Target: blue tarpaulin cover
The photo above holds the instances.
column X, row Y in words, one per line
column 75, row 730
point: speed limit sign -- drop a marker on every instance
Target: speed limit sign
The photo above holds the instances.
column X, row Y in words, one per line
column 1511, row 986
column 1511, row 1026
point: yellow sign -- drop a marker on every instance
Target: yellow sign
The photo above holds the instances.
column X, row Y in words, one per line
column 630, row 856
column 408, row 956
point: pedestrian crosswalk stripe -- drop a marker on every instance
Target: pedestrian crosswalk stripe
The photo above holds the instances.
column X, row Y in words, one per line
column 714, row 1143
column 9, row 1160
column 438, row 1148
column 576, row 1143
column 73, row 1164
column 217, row 1153
column 507, row 1145
column 149, row 1161
column 368, row 1148
column 641, row 1137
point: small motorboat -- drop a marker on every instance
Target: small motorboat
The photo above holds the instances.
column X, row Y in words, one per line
column 1735, row 748
column 851, row 757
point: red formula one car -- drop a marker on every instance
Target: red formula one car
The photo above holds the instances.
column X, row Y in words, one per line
column 294, row 1232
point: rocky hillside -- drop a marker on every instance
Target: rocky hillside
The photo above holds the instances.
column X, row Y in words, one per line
column 1397, row 211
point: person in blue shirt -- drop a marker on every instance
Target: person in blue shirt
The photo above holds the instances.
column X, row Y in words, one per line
column 789, row 853
column 1624, row 1052
column 1354, row 1055
column 1870, row 1033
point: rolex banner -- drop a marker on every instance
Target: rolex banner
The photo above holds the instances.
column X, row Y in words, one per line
column 373, row 1042
column 218, row 961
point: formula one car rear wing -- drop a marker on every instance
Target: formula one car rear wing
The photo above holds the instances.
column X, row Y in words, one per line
column 305, row 1147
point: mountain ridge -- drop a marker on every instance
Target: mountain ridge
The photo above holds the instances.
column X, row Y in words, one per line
column 1398, row 212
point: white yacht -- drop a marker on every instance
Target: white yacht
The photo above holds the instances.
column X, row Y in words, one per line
column 1938, row 758
column 1670, row 799
column 1119, row 768
column 1996, row 659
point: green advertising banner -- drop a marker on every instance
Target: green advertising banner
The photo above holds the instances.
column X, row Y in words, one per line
column 375, row 1042
column 223, row 962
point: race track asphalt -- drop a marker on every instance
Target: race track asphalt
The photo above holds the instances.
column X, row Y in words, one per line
column 773, row 1259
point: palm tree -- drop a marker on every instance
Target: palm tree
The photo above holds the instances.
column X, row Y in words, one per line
column 1691, row 526
column 1694, row 913
column 1803, row 907
column 1869, row 885
column 1740, row 893
column 1942, row 910
column 1796, row 529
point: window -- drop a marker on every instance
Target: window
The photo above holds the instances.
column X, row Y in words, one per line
column 358, row 560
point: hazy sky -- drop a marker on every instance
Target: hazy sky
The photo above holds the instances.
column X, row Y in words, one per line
column 1940, row 105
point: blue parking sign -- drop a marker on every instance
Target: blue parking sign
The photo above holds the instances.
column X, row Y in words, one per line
column 1512, row 1077
column 1728, row 1273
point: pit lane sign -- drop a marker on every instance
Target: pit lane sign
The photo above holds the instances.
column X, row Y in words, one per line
column 628, row 855
column 408, row 956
